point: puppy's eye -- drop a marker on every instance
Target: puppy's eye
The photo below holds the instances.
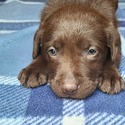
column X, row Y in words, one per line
column 91, row 51
column 52, row 51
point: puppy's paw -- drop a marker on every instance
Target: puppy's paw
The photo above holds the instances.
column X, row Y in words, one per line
column 111, row 82
column 31, row 77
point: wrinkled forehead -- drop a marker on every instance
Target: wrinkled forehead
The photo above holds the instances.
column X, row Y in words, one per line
column 75, row 34
column 72, row 28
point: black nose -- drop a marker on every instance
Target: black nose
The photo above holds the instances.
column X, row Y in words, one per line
column 69, row 89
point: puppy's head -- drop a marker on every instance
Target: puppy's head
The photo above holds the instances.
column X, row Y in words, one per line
column 74, row 46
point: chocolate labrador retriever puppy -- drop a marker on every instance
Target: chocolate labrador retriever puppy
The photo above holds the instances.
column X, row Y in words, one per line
column 77, row 48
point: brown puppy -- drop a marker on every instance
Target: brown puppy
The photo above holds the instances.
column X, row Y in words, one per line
column 76, row 48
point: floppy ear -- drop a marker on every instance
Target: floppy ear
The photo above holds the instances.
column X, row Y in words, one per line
column 37, row 43
column 114, row 43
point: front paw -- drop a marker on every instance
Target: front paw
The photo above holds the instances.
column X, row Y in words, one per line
column 111, row 82
column 31, row 77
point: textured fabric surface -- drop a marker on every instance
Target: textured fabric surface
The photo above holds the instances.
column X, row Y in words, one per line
column 40, row 106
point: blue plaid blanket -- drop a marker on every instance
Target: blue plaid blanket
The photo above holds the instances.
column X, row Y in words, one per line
column 40, row 106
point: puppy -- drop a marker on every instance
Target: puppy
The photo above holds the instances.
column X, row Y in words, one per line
column 77, row 48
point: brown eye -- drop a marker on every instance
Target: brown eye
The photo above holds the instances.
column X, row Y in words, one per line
column 91, row 52
column 52, row 51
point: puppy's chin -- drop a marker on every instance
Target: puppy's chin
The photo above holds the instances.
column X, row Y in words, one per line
column 83, row 92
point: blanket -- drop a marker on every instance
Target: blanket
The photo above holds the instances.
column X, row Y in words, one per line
column 40, row 106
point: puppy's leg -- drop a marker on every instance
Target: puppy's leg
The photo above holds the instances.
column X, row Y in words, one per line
column 34, row 74
column 111, row 82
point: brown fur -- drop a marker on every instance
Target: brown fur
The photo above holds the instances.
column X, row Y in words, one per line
column 72, row 28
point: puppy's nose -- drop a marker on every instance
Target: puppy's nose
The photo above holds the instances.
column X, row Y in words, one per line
column 69, row 88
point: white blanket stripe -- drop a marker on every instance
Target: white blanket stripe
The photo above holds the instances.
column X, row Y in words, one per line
column 73, row 107
column 105, row 119
column 18, row 21
column 122, row 28
column 121, row 19
column 7, row 31
column 115, row 120
column 121, row 122
column 9, row 80
column 99, row 118
column 53, row 121
column 31, row 121
column 22, row 2
column 92, row 116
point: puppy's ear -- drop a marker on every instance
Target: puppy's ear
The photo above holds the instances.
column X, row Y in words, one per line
column 114, row 43
column 37, row 43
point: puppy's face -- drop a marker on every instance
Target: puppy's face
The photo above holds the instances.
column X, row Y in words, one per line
column 75, row 50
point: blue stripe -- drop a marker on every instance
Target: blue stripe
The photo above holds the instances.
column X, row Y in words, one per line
column 110, row 105
column 43, row 102
column 122, row 23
